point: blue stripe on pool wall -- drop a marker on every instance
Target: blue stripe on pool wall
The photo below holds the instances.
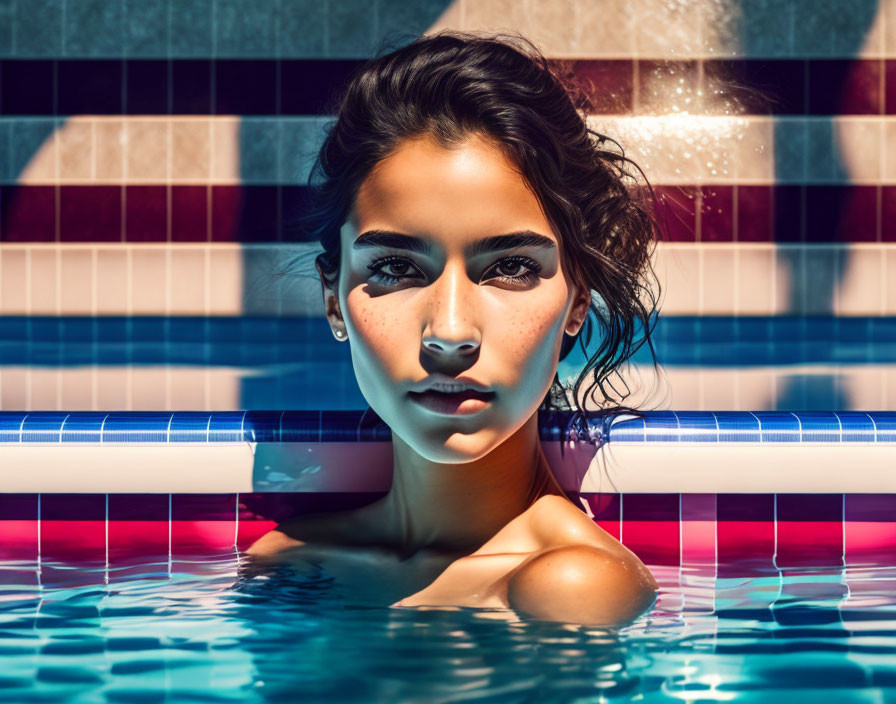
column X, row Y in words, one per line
column 362, row 426
column 248, row 341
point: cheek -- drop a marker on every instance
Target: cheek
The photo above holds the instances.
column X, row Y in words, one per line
column 530, row 335
column 376, row 325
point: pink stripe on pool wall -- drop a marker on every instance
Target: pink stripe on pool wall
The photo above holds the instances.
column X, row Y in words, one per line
column 869, row 530
column 809, row 529
column 737, row 532
column 698, row 529
column 746, row 533
column 651, row 528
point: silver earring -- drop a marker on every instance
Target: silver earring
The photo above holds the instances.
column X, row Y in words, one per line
column 339, row 334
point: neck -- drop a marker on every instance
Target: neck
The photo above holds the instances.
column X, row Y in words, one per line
column 461, row 506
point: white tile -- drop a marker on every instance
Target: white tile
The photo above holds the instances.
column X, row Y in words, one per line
column 150, row 280
column 860, row 291
column 112, row 280
column 44, row 276
column 718, row 267
column 678, row 271
column 188, row 280
column 13, row 277
column 756, row 280
column 76, row 279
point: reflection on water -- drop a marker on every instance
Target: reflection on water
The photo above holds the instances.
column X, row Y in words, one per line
column 212, row 630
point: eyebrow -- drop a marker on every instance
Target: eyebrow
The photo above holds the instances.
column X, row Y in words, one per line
column 511, row 240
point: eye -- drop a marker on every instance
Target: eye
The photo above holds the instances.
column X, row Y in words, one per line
column 391, row 270
column 516, row 270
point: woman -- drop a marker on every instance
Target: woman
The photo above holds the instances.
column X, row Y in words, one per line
column 470, row 222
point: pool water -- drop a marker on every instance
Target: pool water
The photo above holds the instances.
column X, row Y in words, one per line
column 223, row 630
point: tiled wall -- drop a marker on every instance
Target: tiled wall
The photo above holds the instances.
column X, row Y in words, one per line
column 152, row 157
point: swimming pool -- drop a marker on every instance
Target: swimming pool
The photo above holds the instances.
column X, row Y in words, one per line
column 136, row 594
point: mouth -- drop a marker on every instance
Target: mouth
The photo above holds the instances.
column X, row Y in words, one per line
column 454, row 403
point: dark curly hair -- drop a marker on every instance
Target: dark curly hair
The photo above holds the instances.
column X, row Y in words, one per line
column 452, row 85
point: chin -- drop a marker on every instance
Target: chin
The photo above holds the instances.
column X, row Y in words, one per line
column 447, row 445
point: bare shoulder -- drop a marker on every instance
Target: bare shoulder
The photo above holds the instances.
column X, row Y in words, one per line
column 555, row 521
column 581, row 573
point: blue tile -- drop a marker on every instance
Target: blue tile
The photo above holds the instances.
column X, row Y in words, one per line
column 697, row 426
column 857, row 427
column 819, row 426
column 260, row 151
column 405, row 21
column 11, row 425
column 821, row 160
column 7, row 19
column 83, row 426
column 43, row 427
column 351, row 29
column 6, row 171
column 738, row 426
column 136, row 427
column 300, row 141
column 661, row 426
column 189, row 426
column 145, row 29
column 305, row 426
column 885, row 422
column 766, row 28
column 340, row 426
column 227, row 426
column 302, row 29
column 93, row 28
column 28, row 135
column 263, row 426
column 778, row 426
column 790, row 149
column 627, row 430
column 245, row 29
column 38, row 28
column 190, row 28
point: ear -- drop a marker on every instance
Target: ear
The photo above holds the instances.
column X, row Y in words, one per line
column 331, row 306
column 579, row 311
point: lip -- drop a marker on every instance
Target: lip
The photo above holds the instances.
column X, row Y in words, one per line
column 449, row 384
column 459, row 403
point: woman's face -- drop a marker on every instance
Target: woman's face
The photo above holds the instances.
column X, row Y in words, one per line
column 450, row 270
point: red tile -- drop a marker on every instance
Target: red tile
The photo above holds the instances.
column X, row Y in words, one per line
column 189, row 213
column 660, row 80
column 859, row 220
column 226, row 209
column 90, row 213
column 810, row 530
column 605, row 508
column 29, row 214
column 146, row 213
column 717, row 214
column 698, row 529
column 677, row 212
column 138, row 526
column 870, row 530
column 73, row 527
column 650, row 527
column 608, row 83
column 18, row 540
column 745, row 533
column 18, row 526
column 888, row 213
column 203, row 524
column 755, row 213
column 845, row 87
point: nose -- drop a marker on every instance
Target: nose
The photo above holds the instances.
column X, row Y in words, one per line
column 450, row 330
